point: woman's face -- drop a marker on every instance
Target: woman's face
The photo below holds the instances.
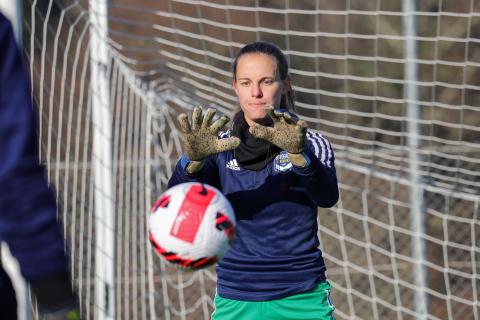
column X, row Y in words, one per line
column 258, row 84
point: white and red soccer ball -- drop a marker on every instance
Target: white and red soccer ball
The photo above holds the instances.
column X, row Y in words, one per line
column 192, row 225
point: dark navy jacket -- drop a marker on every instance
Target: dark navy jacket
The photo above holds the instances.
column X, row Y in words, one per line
column 28, row 210
column 275, row 253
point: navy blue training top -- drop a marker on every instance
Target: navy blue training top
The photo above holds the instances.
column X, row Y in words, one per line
column 276, row 250
column 28, row 210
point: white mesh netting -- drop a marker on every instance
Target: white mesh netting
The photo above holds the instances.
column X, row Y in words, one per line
column 348, row 64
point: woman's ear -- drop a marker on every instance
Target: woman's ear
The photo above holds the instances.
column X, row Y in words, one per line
column 287, row 85
column 234, row 86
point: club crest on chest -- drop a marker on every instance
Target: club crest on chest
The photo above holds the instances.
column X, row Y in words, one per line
column 281, row 163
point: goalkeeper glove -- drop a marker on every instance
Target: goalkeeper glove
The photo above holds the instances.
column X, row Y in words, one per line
column 288, row 133
column 200, row 138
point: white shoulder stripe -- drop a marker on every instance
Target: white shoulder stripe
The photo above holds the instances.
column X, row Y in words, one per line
column 329, row 156
column 322, row 148
column 318, row 144
column 314, row 142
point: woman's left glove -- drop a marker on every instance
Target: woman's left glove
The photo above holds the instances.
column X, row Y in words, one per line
column 288, row 133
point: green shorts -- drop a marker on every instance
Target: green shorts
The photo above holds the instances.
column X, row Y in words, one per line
column 311, row 305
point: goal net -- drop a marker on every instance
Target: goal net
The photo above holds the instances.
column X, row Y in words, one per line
column 394, row 86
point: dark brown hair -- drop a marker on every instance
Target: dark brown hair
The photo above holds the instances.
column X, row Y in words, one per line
column 287, row 101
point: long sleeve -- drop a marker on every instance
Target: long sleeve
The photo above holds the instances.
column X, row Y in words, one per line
column 319, row 175
column 28, row 211
column 208, row 174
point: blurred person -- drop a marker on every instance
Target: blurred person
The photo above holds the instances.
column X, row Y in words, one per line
column 276, row 173
column 28, row 210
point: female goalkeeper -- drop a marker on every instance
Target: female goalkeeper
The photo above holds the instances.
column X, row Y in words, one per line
column 275, row 172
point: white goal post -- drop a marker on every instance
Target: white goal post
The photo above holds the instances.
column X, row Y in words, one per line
column 393, row 87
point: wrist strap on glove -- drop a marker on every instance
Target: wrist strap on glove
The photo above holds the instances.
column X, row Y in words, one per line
column 194, row 166
column 298, row 159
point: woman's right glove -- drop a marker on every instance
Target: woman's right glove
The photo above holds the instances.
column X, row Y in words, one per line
column 200, row 139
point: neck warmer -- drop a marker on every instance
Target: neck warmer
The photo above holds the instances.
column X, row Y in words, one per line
column 252, row 154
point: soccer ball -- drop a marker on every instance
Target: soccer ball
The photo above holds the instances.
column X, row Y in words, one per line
column 192, row 225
